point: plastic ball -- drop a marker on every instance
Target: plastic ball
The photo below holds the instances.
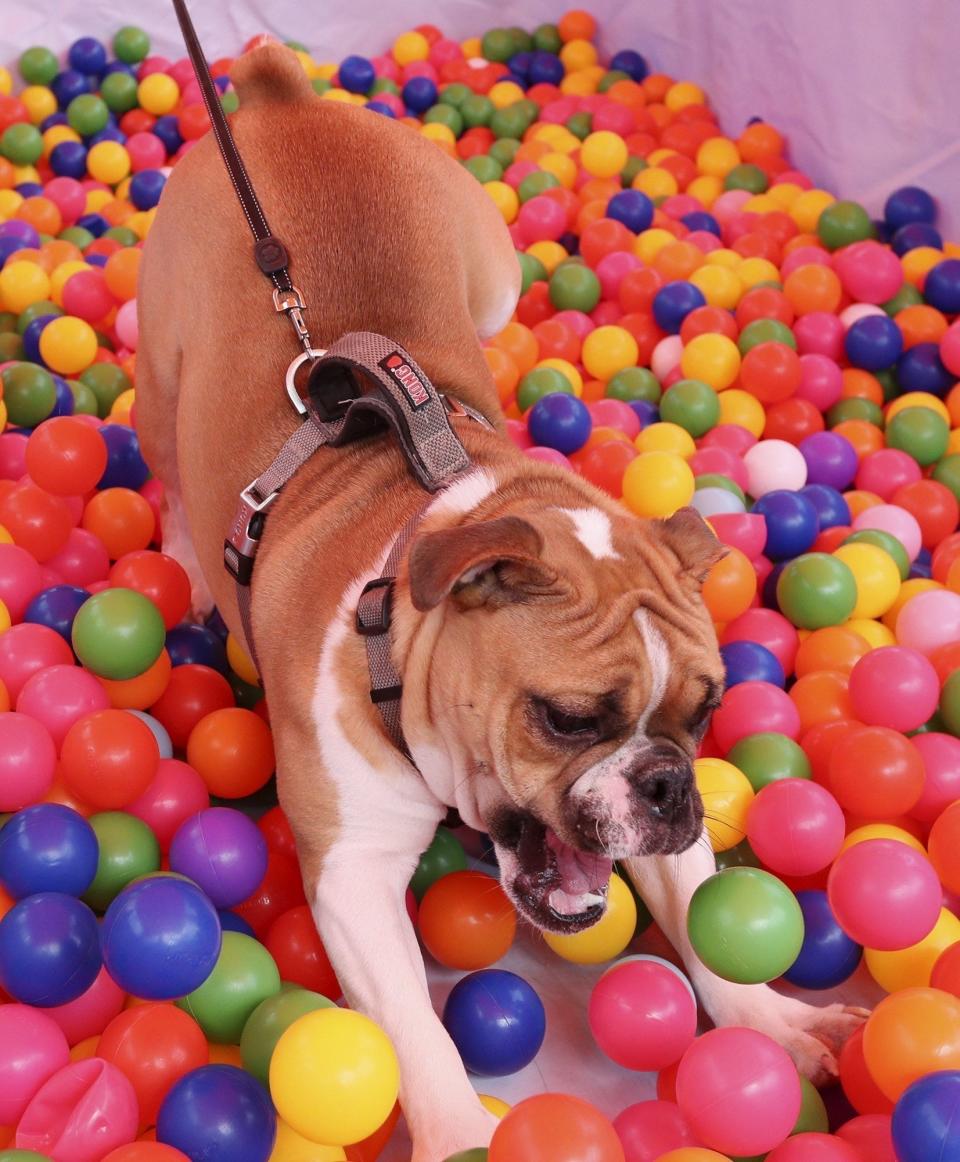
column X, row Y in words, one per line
column 609, row 350
column 218, row 1112
column 642, row 1014
column 118, row 634
column 750, row 707
column 496, row 1020
column 108, row 758
column 774, row 464
column 828, row 955
column 673, row 302
column 909, row 1034
column 817, row 590
column 795, row 827
column 466, row 921
column 555, row 1128
column 269, row 1021
column 27, row 760
column 656, row 484
column 559, row 421
column 896, row 775
column 925, row 1118
column 223, row 852
column 128, row 849
column 294, row 943
column 244, row 974
column 920, row 432
column 49, row 949
column 232, row 749
column 32, row 1049
column 895, row 687
column 608, row 937
column 633, row 208
column 814, row 1147
column 47, row 848
column 791, row 521
column 650, row 1129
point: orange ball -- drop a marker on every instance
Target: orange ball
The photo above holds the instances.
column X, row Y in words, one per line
column 144, row 690
column 121, row 518
column 911, row 1033
column 813, row 288
column 466, row 921
column 145, row 1151
column 822, row 696
column 109, row 758
column 520, row 344
column 42, row 214
column 576, row 25
column 233, row 751
column 555, row 1127
column 920, row 324
column 876, row 773
column 505, row 374
column 860, row 384
column 833, row 648
column 944, row 847
column 120, row 272
column 730, row 586
column 864, row 436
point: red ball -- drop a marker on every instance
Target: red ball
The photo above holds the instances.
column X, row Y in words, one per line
column 280, row 890
column 158, row 577
column 295, row 944
column 276, row 830
column 109, row 758
column 643, row 1014
column 771, row 372
column 651, row 1129
column 934, row 506
column 66, row 456
column 814, row 1148
column 192, row 693
column 553, row 1127
column 175, row 793
column 37, row 520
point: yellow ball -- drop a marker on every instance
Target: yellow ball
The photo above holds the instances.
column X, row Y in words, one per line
column 604, row 154
column 10, row 200
column 410, row 47
column 551, row 254
column 6, row 82
column 909, row 589
column 334, row 1076
column 158, row 94
column 720, row 286
column 916, row 263
column 68, row 345
column 607, row 350
column 505, row 93
column 876, row 575
column 567, row 370
column 785, row 194
column 722, row 256
column 882, row 831
column 437, row 131
column 918, row 399
column 655, row 156
column 343, row 96
column 289, row 1146
column 656, row 183
column 578, row 54
column 753, row 270
column 498, row 1108
column 608, row 937
column 108, row 162
column 684, row 93
column 40, row 102
column 727, row 795
column 141, row 221
column 240, row 662
column 647, row 246
column 504, row 198
column 875, row 634
column 740, row 407
column 911, row 967
column 25, row 173
column 657, row 484
column 665, row 437
column 307, row 63
column 121, row 407
column 807, row 207
column 23, row 283
column 953, row 443
column 472, row 47
column 326, row 71
column 761, row 204
column 713, row 358
column 563, row 168
column 5, row 621
column 97, row 199
column 717, row 156
column 705, row 189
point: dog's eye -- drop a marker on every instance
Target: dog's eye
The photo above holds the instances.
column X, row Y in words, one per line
column 570, row 725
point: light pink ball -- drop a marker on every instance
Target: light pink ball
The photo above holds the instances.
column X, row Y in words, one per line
column 126, row 324
column 929, row 620
column 891, row 518
column 666, row 355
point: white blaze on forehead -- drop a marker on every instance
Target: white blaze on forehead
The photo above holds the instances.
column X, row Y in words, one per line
column 593, row 530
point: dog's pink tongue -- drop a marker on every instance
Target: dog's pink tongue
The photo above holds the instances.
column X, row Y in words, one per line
column 583, row 878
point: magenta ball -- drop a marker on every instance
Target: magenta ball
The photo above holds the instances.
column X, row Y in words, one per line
column 223, row 851
column 753, row 708
column 126, row 325
column 60, row 695
column 548, row 456
column 941, row 764
column 895, row 687
column 32, row 1048
column 614, row 413
column 542, row 219
column 651, row 1129
column 884, row 894
column 886, row 470
column 27, row 648
column 870, row 272
column 795, row 826
column 69, row 196
column 20, row 579
column 90, row 1012
column 819, row 333
column 871, row 1135
column 642, row 1015
column 821, row 380
column 28, row 760
column 929, row 620
column 891, row 518
column 739, row 1090
column 82, row 561
column 176, row 793
column 814, row 1148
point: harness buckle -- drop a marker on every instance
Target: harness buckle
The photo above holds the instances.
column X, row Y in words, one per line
column 240, row 547
column 381, row 609
column 312, row 353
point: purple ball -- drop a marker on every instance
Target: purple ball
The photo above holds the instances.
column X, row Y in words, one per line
column 831, row 459
column 223, row 851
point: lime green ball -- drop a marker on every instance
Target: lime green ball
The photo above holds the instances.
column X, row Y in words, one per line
column 88, row 114
column 816, row 590
column 11, row 346
column 441, row 114
column 385, row 85
column 580, row 125
column 21, row 143
column 245, row 974
column 444, row 855
column 454, row 94
column 522, row 40
column 118, row 634
column 949, row 708
column 80, row 237
column 36, row 310
column 947, row 472
column 119, row 92
column 745, row 925
column 531, row 270
column 84, row 401
column 746, row 177
column 546, row 38
column 887, row 378
column 38, row 65
column 634, row 166
column 131, row 44
column 692, row 405
column 842, row 223
column 574, row 287
column 906, row 296
column 765, row 331
column 230, row 101
column 886, row 541
column 8, row 322
column 484, row 168
column 540, row 382
column 29, row 393
column 513, row 121
column 537, row 183
column 768, row 757
column 476, row 110
column 634, row 383
column 128, row 849
column 504, row 151
column 920, row 432
column 122, row 234
column 269, row 1021
column 498, row 45
column 23, row 1156
column 741, row 855
column 716, row 480
column 320, row 85
column 107, row 381
column 812, row 1118
column 855, row 409
column 609, row 79
column 480, row 1154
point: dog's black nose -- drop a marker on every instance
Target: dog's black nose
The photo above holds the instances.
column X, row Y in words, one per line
column 666, row 790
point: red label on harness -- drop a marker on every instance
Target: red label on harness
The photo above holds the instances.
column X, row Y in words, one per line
column 404, row 376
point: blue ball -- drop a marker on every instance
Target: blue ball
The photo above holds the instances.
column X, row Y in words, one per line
column 146, row 188
column 47, row 848
column 125, row 465
column 873, row 343
column 218, row 1113
column 496, row 1021
column 56, row 608
column 630, row 62
column 357, row 74
column 831, row 507
column 633, row 208
column 160, row 938
column 95, row 223
column 231, row 922
column 31, row 338
column 190, row 644
column 560, row 421
column 69, row 84
column 827, row 956
column 747, row 661
column 545, row 69
column 69, row 159
column 701, row 220
column 768, row 593
column 87, row 55
column 646, row 411
column 921, row 369
column 7, row 246
column 49, row 949
column 167, row 130
column 419, row 93
column 57, row 118
column 108, row 133
column 520, row 63
column 909, row 204
column 673, row 302
column 381, row 108
column 792, row 523
column 941, row 288
column 914, row 235
column 29, row 189
column 65, row 404
column 926, row 1119
column 119, row 67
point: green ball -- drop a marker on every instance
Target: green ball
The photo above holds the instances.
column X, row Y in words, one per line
column 574, row 287
column 746, row 177
column 320, row 85
column 716, row 480
column 130, row 44
column 920, row 432
column 484, row 168
column 88, row 114
column 119, row 92
column 546, row 38
column 245, row 974
column 498, row 45
column 812, row 1118
column 815, row 590
column 537, row 183
column 476, row 110
column 23, row 1156
column 947, row 472
column 540, row 382
column 454, row 94
column 513, row 121
column 522, row 40
column 107, row 381
column 245, row 694
column 842, row 223
column 385, row 85
column 480, row 1154
column 29, row 393
column 767, row 757
column 634, row 166
column 128, row 849
column 444, row 855
column 118, row 633
column 855, row 409
column 950, row 703
column 84, row 401
column 634, row 383
column 21, row 143
column 609, row 79
column 8, row 322
column 269, row 1021
column 122, row 234
column 580, row 125
column 691, row 404
column 906, row 296
column 531, row 270
column 441, row 114
column 886, row 541
column 741, row 855
column 36, row 311
column 504, row 151
column 230, row 102
column 745, row 925
column 887, row 378
column 11, row 346
column 296, row 45
column 38, row 65
column 80, row 237
column 765, row 331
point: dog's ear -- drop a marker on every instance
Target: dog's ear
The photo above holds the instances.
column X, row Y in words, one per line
column 692, row 542
column 492, row 563
column 270, row 73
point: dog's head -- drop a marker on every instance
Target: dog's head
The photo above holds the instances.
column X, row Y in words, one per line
column 567, row 672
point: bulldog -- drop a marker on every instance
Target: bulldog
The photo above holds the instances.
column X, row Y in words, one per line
column 558, row 664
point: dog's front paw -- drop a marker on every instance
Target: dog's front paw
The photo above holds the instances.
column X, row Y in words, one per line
column 452, row 1132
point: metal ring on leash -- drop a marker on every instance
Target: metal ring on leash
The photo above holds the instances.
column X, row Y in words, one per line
column 312, row 353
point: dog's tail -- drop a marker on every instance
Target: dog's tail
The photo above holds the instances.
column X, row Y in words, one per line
column 269, row 73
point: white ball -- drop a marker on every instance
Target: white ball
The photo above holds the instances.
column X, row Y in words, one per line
column 666, row 356
column 716, row 502
column 772, row 465
column 856, row 312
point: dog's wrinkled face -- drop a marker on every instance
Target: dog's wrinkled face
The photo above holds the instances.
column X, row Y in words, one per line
column 572, row 677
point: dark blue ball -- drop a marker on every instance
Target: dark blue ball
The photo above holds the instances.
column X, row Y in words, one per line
column 673, row 302
column 630, row 62
column 65, row 404
column 56, row 608
column 47, row 848
column 701, row 220
column 645, row 410
column 222, row 82
column 216, row 625
column 108, row 133
column 31, row 337
column 792, row 524
column 921, row 369
column 146, row 188
column 69, row 159
column 125, row 465
column 231, row 922
column 7, row 246
column 119, row 67
column 57, row 118
column 165, row 128
column 747, row 661
column 218, row 1113
column 419, row 93
column 96, row 259
column 832, row 508
column 941, row 288
column 914, row 235
column 559, row 421
column 873, row 343
column 49, row 949
column 379, row 107
column 926, row 1119
column 827, row 956
column 920, row 569
column 29, row 189
column 496, row 1021
column 516, row 78
column 357, row 74
column 519, row 64
column 95, row 223
column 633, row 208
column 570, row 243
column 768, row 592
column 909, row 204
column 87, row 55
column 69, row 84
column 545, row 69
column 190, row 644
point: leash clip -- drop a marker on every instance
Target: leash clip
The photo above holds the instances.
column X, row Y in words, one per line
column 240, row 547
column 290, row 303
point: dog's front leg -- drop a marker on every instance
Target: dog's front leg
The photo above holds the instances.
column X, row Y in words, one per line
column 812, row 1036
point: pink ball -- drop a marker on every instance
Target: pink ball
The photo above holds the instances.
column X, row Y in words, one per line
column 751, row 708
column 819, row 333
column 82, row 560
column 32, row 1048
column 176, row 792
column 68, row 196
column 884, row 894
column 558, row 111
column 651, row 1129
column 81, row 1113
column 89, row 1013
column 667, row 354
column 58, row 696
column 615, row 118
column 128, row 331
column 614, row 413
column 941, row 762
column 770, row 629
column 891, row 518
column 20, row 579
column 950, row 348
column 28, row 760
column 13, row 456
column 814, row 1148
column 86, row 295
column 804, row 256
column 746, row 531
column 857, row 311
column 724, row 462
column 386, row 66
column 153, row 64
column 730, row 436
column 871, row 1135
column 146, row 151
column 191, row 93
column 182, row 71
column 929, row 620
column 679, row 204
column 886, row 470
column 517, row 431
column 795, row 826
column 443, row 51
column 870, row 272
column 895, row 687
column 27, row 648
column 704, row 240
column 542, row 218
column 548, row 456
column 729, row 204
column 642, row 1015
column 739, row 1091
column 613, row 268
column 419, row 69
column 578, row 322
column 821, row 381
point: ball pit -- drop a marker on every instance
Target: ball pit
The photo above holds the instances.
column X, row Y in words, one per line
column 699, row 324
